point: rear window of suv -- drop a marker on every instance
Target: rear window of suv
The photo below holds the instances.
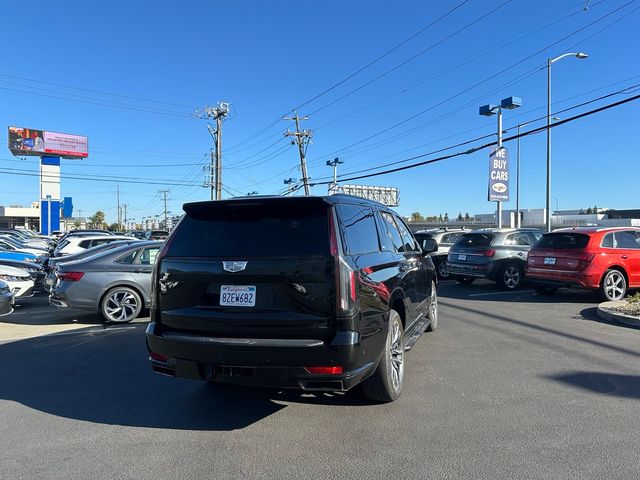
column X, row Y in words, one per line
column 563, row 240
column 475, row 240
column 277, row 229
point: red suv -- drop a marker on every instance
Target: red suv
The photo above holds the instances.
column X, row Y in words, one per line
column 604, row 259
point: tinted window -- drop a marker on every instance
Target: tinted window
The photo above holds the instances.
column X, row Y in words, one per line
column 563, row 240
column 475, row 240
column 148, row 256
column 127, row 258
column 258, row 229
column 520, row 239
column 84, row 243
column 391, row 231
column 451, row 237
column 359, row 232
column 626, row 240
column 409, row 244
column 607, row 241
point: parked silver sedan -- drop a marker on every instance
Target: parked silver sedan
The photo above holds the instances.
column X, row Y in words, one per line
column 116, row 282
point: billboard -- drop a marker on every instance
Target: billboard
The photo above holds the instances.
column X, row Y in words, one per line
column 29, row 141
column 389, row 196
column 498, row 175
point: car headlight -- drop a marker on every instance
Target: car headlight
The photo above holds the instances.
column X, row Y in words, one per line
column 11, row 278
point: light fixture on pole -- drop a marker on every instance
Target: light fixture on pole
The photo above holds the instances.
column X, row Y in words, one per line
column 488, row 110
column 333, row 187
column 581, row 56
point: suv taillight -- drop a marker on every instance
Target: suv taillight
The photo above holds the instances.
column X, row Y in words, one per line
column 346, row 279
column 584, row 260
column 489, row 253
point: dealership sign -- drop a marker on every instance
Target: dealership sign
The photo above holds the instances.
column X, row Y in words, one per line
column 29, row 141
column 499, row 175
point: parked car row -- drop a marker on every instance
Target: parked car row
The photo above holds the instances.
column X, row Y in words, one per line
column 602, row 259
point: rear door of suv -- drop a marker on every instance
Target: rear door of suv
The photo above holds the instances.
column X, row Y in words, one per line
column 255, row 268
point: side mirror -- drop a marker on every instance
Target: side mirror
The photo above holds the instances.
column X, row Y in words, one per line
column 429, row 245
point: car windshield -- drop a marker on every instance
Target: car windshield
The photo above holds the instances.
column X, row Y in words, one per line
column 475, row 240
column 563, row 240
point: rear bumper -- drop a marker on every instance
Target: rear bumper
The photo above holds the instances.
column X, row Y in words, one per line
column 564, row 279
column 265, row 362
column 470, row 269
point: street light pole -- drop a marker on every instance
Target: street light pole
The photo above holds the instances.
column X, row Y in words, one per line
column 579, row 55
column 518, row 180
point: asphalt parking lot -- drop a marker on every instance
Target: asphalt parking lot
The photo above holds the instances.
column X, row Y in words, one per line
column 512, row 385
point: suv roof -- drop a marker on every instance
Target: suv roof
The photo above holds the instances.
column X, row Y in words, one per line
column 588, row 230
column 330, row 199
column 504, row 230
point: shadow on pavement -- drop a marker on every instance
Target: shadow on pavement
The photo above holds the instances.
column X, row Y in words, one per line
column 488, row 291
column 104, row 377
column 617, row 385
column 536, row 327
column 37, row 311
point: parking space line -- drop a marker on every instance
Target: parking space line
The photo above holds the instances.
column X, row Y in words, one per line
column 499, row 293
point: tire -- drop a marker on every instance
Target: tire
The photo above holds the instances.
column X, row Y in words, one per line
column 510, row 277
column 542, row 290
column 465, row 280
column 441, row 269
column 386, row 382
column 432, row 313
column 613, row 285
column 120, row 305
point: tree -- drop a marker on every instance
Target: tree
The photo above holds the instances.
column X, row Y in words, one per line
column 77, row 224
column 589, row 211
column 113, row 227
column 440, row 218
column 460, row 217
column 595, row 209
column 581, row 212
column 97, row 219
column 466, row 217
column 417, row 217
column 446, row 218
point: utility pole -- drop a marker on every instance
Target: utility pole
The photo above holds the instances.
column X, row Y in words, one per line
column 125, row 205
column 333, row 188
column 218, row 114
column 302, row 138
column 118, row 202
column 164, row 194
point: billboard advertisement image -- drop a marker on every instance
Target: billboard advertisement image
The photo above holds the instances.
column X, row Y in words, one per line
column 28, row 141
column 499, row 175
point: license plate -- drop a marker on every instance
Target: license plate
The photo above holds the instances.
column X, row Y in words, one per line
column 237, row 295
column 549, row 260
column 462, row 257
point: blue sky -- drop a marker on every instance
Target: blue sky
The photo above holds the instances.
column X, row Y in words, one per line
column 267, row 57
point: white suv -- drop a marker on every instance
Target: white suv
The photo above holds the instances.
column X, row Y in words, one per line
column 73, row 244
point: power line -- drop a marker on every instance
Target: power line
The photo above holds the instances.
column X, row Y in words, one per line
column 99, row 92
column 350, row 76
column 146, row 110
column 475, row 85
column 486, row 145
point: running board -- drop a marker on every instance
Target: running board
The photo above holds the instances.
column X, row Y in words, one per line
column 418, row 328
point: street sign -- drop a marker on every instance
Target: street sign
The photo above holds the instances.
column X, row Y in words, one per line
column 498, row 175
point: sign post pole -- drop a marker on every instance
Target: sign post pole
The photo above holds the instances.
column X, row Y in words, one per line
column 499, row 147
